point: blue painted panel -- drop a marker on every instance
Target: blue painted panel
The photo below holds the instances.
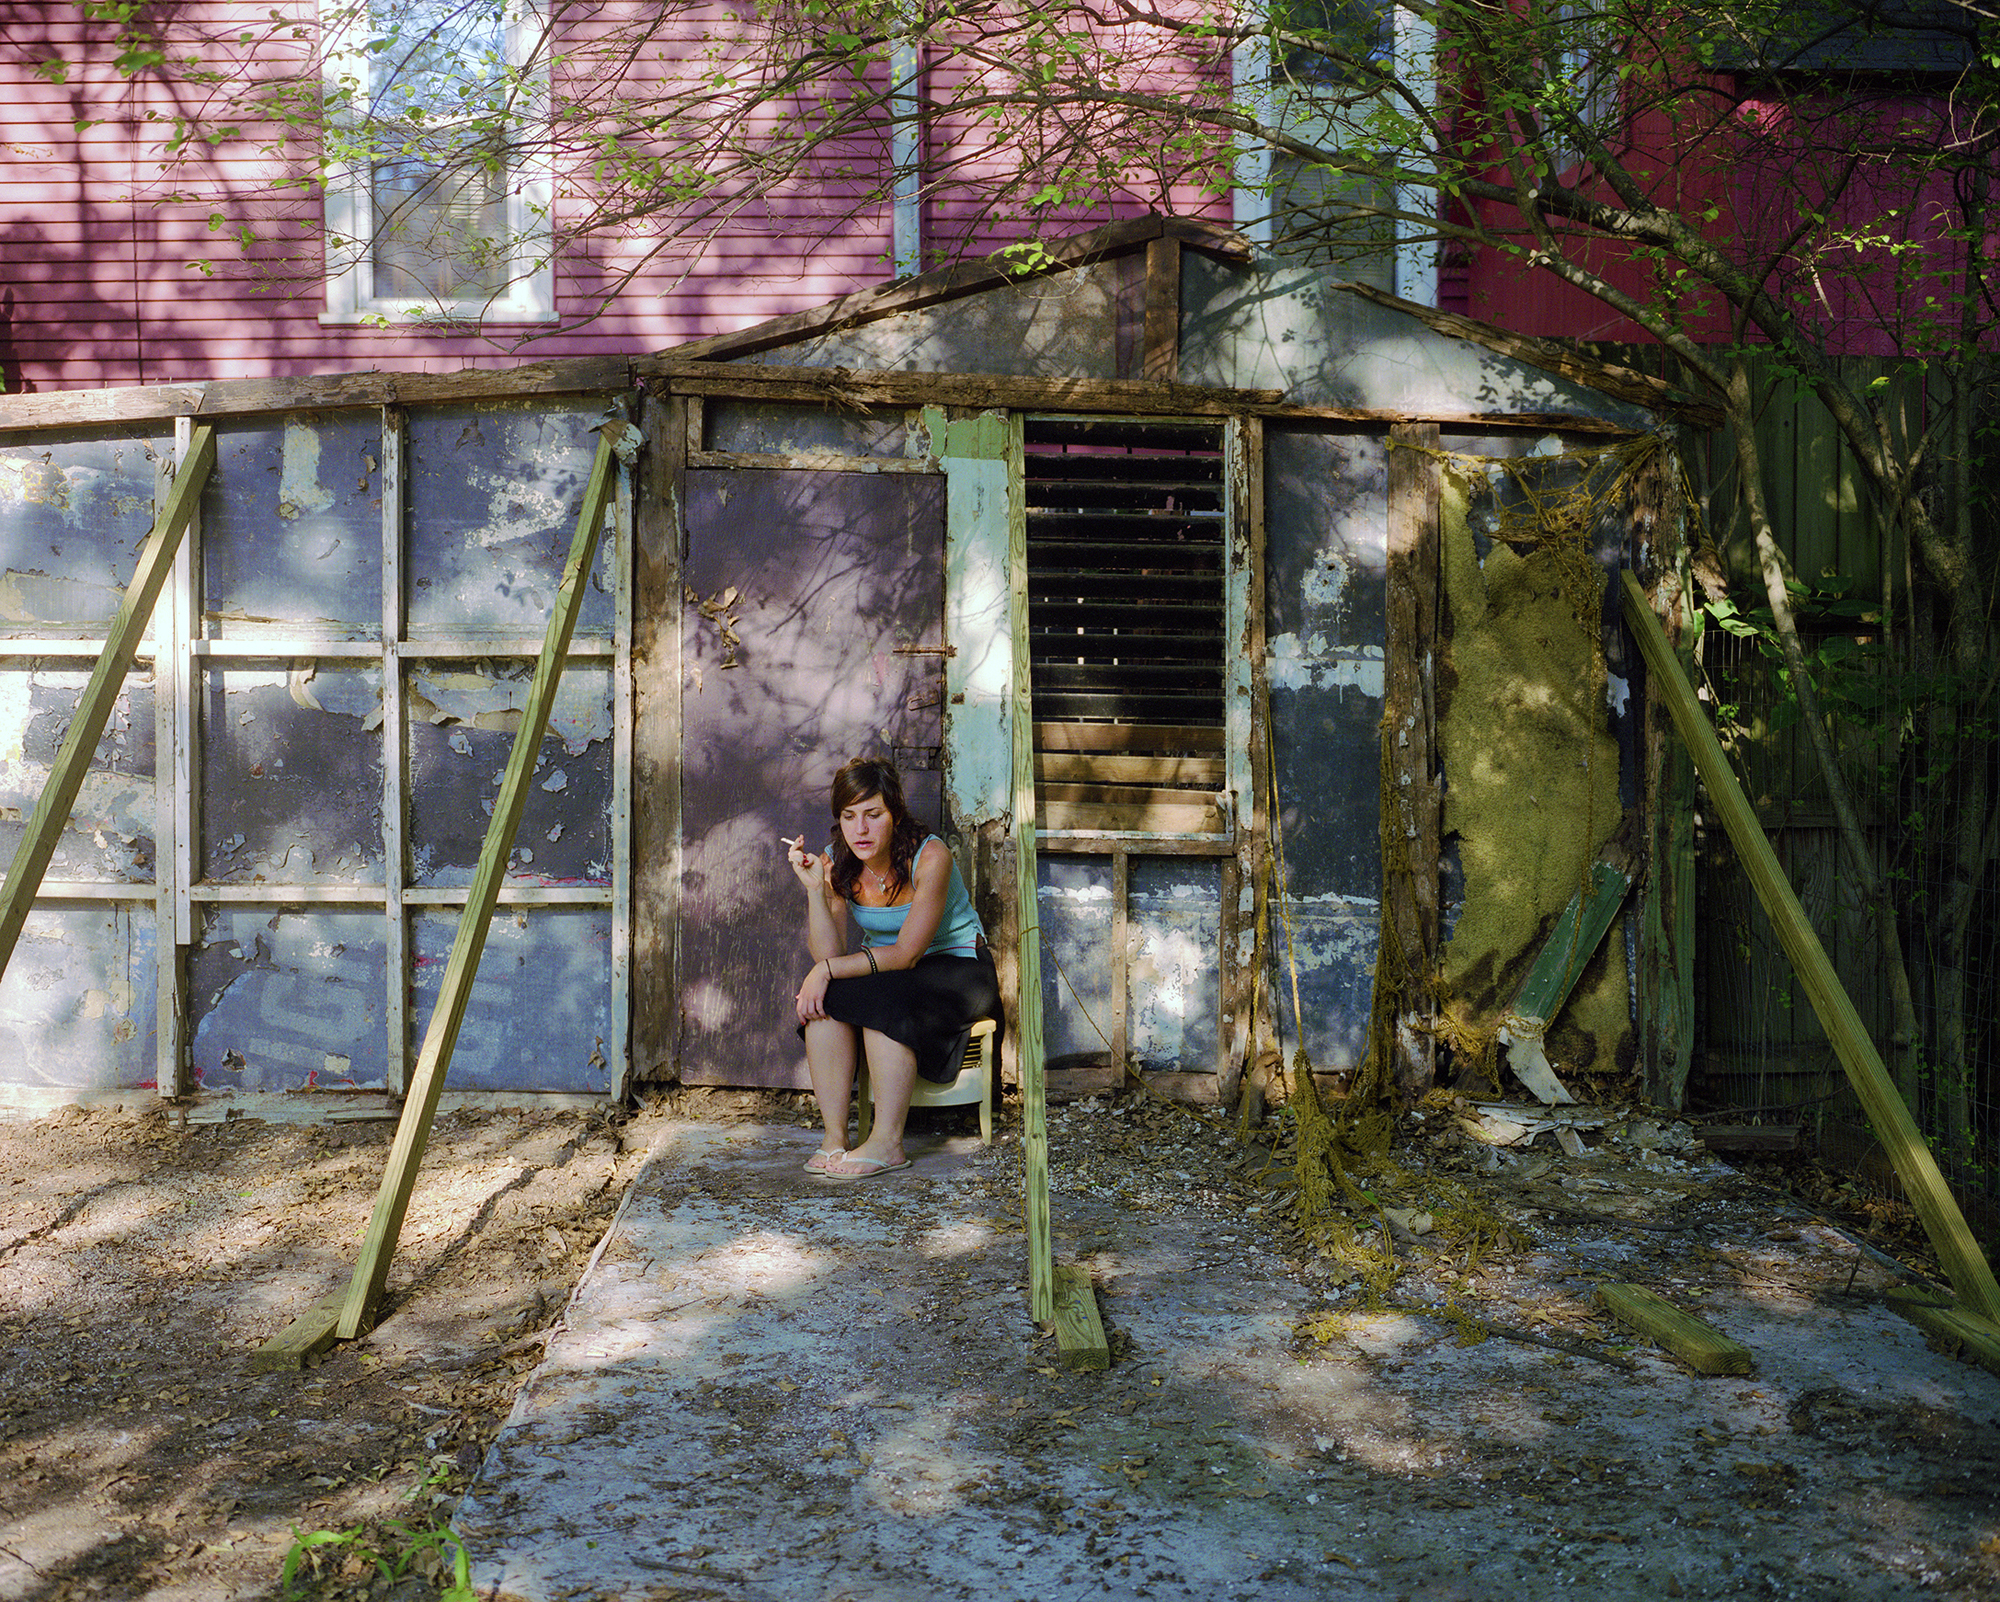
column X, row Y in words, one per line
column 77, row 1004
column 288, row 999
column 540, row 1013
column 494, row 490
column 291, row 774
column 109, row 834
column 463, row 718
column 73, row 514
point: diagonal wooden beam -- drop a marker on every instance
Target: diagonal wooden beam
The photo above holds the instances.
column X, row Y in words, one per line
column 399, row 1179
column 1957, row 1248
column 121, row 645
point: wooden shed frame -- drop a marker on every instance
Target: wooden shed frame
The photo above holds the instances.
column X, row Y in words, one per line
column 644, row 649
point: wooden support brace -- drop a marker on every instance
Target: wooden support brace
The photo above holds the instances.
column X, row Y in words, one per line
column 1079, row 1329
column 107, row 680
column 1969, row 1338
column 314, row 1330
column 1028, row 1026
column 1703, row 1347
column 399, row 1179
column 1957, row 1248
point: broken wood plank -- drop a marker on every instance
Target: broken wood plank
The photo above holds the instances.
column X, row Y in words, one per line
column 100, row 695
column 236, row 397
column 1742, row 1139
column 1966, row 1336
column 884, row 387
column 399, row 1178
column 1574, row 940
column 1703, row 1347
column 1958, row 1249
column 313, row 1331
column 1136, row 819
column 1079, row 1328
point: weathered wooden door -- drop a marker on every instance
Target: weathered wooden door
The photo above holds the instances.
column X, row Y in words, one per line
column 814, row 617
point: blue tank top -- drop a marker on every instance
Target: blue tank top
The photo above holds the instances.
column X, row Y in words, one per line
column 958, row 932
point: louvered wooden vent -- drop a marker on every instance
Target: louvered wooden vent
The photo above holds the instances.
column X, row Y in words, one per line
column 1126, row 544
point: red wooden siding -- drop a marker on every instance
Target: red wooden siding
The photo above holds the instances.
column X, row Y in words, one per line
column 96, row 285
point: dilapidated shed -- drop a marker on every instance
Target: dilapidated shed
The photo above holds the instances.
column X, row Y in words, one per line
column 1287, row 552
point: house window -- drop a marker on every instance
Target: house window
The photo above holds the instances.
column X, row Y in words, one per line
column 1127, row 597
column 1304, row 212
column 437, row 208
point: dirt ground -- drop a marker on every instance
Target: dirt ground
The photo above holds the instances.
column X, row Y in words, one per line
column 141, row 1262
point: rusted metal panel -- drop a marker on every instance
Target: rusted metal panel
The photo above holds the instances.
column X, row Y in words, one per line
column 284, row 998
column 73, row 514
column 110, row 836
column 804, row 588
column 492, row 495
column 540, row 1014
column 291, row 775
column 291, row 527
column 462, row 721
column 76, row 1005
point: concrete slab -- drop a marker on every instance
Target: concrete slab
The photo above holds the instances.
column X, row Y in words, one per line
column 774, row 1386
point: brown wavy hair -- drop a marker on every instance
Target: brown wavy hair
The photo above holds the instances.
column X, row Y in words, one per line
column 854, row 783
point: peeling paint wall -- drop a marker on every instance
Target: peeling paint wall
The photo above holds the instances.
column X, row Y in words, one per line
column 109, row 837
column 76, row 1005
column 462, row 722
column 291, row 527
column 73, row 514
column 288, row 999
column 491, row 502
column 291, row 775
column 1531, row 766
column 1326, row 516
column 540, row 1013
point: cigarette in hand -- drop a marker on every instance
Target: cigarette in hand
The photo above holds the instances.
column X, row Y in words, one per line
column 798, row 842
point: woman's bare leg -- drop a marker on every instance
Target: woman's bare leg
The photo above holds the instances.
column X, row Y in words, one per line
column 830, row 1064
column 892, row 1076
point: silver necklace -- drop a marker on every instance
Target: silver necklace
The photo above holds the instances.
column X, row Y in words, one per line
column 881, row 884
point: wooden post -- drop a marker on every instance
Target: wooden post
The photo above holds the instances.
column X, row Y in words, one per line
column 100, row 695
column 378, row 1247
column 1028, row 1023
column 1409, row 723
column 1966, row 1266
column 656, row 736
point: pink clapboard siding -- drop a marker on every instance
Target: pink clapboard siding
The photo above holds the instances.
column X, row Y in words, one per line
column 98, row 286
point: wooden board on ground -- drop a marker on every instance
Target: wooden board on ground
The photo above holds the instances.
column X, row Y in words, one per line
column 1966, row 1336
column 1703, row 1347
column 313, row 1331
column 1079, row 1329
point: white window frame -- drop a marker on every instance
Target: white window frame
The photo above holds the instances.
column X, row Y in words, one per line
column 351, row 297
column 1412, row 48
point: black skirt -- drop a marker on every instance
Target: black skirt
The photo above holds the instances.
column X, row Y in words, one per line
column 930, row 1008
